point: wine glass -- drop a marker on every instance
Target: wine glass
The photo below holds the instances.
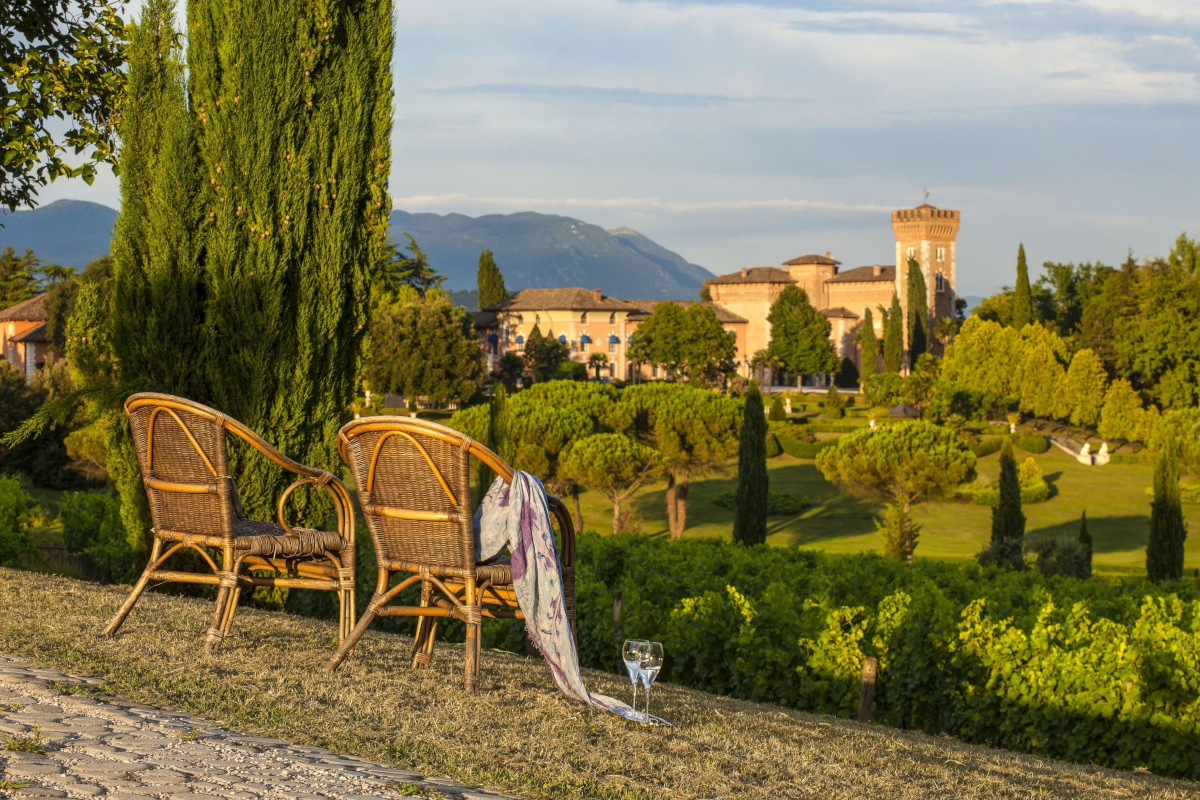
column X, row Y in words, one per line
column 631, row 654
column 649, row 666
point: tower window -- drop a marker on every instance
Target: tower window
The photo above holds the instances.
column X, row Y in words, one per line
column 941, row 254
column 912, row 252
column 940, row 281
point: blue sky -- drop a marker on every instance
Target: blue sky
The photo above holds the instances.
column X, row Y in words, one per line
column 747, row 133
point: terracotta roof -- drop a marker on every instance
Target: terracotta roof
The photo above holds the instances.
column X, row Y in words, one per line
column 32, row 310
column 572, row 299
column 865, row 275
column 754, row 275
column 813, row 259
column 724, row 315
column 35, row 335
column 839, row 311
column 485, row 319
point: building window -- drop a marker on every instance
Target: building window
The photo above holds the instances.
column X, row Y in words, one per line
column 654, row 371
column 940, row 281
column 612, row 318
column 941, row 254
column 583, row 318
column 612, row 347
column 583, row 347
column 520, row 319
column 520, row 347
column 537, row 319
column 912, row 252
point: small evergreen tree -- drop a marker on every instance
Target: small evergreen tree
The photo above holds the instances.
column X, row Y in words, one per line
column 893, row 337
column 1022, row 312
column 835, row 404
column 918, row 312
column 497, row 438
column 778, row 413
column 1008, row 522
column 1164, row 552
column 1085, row 543
column 868, row 347
column 490, row 282
column 750, row 522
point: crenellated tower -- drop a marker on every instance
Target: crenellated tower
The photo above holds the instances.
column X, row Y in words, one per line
column 927, row 234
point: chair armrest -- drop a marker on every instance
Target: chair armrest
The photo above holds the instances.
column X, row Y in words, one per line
column 567, row 527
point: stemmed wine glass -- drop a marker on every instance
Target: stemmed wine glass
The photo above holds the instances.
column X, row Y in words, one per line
column 631, row 654
column 649, row 666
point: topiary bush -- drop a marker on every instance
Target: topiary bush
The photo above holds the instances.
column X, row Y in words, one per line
column 986, row 446
column 773, row 447
column 777, row 412
column 1034, row 443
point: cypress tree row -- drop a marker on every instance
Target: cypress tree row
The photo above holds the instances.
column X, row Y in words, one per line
column 155, row 322
column 750, row 522
column 918, row 312
column 293, row 117
column 869, row 347
column 489, row 282
column 1164, row 552
column 1022, row 313
column 893, row 337
column 1008, row 521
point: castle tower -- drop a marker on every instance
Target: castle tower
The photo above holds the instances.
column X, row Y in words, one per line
column 927, row 234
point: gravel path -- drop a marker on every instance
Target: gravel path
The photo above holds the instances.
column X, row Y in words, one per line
column 98, row 745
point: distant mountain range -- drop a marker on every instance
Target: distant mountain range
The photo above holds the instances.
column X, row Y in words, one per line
column 66, row 232
column 532, row 250
column 542, row 250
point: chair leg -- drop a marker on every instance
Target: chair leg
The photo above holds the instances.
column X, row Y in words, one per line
column 118, row 619
column 352, row 639
column 423, row 642
column 471, row 659
column 212, row 642
column 230, row 610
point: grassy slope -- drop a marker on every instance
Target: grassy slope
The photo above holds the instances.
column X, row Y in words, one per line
column 518, row 734
column 1114, row 496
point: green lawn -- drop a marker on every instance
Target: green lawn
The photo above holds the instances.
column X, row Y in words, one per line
column 1114, row 496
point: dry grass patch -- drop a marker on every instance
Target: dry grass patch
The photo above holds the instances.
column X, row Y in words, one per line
column 517, row 734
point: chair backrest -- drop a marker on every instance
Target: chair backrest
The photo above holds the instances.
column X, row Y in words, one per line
column 413, row 480
column 182, row 453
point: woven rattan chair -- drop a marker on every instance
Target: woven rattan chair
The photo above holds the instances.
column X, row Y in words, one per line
column 413, row 485
column 181, row 448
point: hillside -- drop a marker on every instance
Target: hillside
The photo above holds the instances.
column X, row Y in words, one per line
column 267, row 680
column 542, row 250
column 66, row 232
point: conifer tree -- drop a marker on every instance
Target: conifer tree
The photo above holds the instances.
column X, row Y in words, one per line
column 293, row 110
column 893, row 337
column 1085, row 544
column 1008, row 521
column 489, row 282
column 1022, row 313
column 497, row 438
column 918, row 312
column 869, row 347
column 750, row 523
column 799, row 335
column 1164, row 552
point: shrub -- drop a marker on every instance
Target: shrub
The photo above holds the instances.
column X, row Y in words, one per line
column 1061, row 557
column 798, row 448
column 835, row 405
column 1034, row 443
column 982, row 494
column 92, row 527
column 14, row 521
column 1028, row 472
column 779, row 504
column 777, row 413
column 987, row 446
column 773, row 446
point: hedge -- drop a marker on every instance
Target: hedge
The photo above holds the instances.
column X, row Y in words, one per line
column 1091, row 671
column 987, row 446
column 1038, row 491
column 1034, row 443
column 779, row 504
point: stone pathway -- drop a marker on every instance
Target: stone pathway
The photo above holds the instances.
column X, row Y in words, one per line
column 97, row 745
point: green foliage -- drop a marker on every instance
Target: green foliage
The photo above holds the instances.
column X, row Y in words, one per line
column 1007, row 545
column 685, row 342
column 1043, row 375
column 489, row 281
column 1032, row 493
column 868, row 345
column 544, row 355
column 774, row 448
column 799, row 335
column 992, row 359
column 778, row 413
column 893, row 337
column 1034, row 443
column 611, row 463
column 899, row 532
column 510, row 368
column 396, row 275
column 571, row 371
column 60, row 60
column 1085, row 543
column 779, row 504
column 23, row 277
column 834, row 404
column 1122, row 416
column 884, row 389
column 1164, row 551
column 753, row 488
column 1081, row 394
column 918, row 312
column 921, row 384
column 1022, row 310
column 92, row 527
column 14, row 521
column 1008, row 659
column 43, row 457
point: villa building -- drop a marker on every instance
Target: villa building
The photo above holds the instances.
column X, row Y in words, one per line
column 23, row 340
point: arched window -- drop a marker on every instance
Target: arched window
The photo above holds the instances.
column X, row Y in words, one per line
column 583, row 318
column 612, row 318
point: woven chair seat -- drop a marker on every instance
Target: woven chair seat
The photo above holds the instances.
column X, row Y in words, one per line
column 268, row 539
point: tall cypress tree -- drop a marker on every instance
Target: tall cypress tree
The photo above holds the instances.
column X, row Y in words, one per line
column 293, row 109
column 1022, row 313
column 489, row 282
column 1085, row 544
column 156, row 317
column 893, row 337
column 869, row 347
column 750, row 523
column 918, row 312
column 497, row 437
column 1164, row 552
column 1008, row 521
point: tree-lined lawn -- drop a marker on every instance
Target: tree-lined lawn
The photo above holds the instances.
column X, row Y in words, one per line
column 1114, row 496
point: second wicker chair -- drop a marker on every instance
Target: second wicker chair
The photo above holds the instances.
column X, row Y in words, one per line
column 413, row 480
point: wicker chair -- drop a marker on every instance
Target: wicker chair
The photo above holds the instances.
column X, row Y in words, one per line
column 413, row 485
column 182, row 453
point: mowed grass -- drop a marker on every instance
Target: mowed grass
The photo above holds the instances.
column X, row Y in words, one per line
column 1114, row 497
column 518, row 734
